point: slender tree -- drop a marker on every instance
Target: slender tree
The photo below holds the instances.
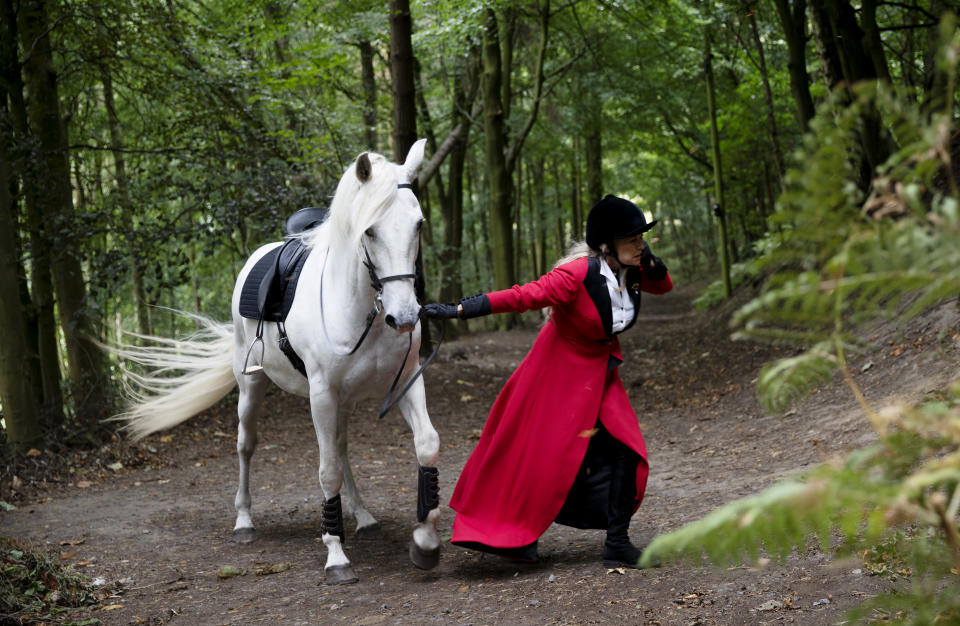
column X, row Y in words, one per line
column 18, row 391
column 502, row 154
column 86, row 362
column 793, row 19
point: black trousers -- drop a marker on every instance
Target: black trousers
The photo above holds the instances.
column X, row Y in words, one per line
column 603, row 492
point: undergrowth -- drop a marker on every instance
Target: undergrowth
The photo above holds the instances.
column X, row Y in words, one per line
column 34, row 586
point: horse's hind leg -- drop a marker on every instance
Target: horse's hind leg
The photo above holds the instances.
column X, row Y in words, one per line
column 324, row 409
column 367, row 525
column 425, row 547
column 253, row 387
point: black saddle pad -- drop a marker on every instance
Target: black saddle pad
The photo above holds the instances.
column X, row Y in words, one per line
column 270, row 286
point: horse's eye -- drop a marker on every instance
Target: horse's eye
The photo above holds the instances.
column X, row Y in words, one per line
column 419, row 226
column 369, row 233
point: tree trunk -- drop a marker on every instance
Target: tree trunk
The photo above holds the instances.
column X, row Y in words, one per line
column 540, row 225
column 498, row 177
column 18, row 389
column 576, row 195
column 87, row 364
column 826, row 47
column 465, row 86
column 401, row 65
column 124, row 203
column 11, row 90
column 719, row 208
column 369, row 82
column 768, row 97
column 872, row 43
column 501, row 159
column 847, row 40
column 794, row 22
column 935, row 83
column 405, row 119
column 594, row 157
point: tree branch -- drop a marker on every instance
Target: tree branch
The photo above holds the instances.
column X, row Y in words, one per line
column 514, row 151
column 431, row 167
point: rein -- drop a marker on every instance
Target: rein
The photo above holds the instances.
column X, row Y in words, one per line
column 377, row 283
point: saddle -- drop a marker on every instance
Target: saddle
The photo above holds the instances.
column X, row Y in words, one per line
column 268, row 290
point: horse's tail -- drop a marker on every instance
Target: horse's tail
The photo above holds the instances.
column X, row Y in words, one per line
column 176, row 378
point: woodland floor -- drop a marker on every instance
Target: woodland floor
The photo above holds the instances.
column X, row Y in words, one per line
column 158, row 530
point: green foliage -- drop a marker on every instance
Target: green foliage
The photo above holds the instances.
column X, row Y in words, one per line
column 33, row 581
column 782, row 382
column 895, row 503
column 835, row 260
column 713, row 294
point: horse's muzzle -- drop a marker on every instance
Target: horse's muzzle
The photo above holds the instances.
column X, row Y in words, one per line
column 406, row 327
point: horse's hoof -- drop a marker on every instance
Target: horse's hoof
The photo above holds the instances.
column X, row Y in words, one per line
column 424, row 559
column 244, row 535
column 340, row 575
column 371, row 531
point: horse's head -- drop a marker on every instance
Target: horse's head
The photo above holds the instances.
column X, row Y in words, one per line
column 391, row 237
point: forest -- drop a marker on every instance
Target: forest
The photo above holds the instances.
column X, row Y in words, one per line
column 802, row 151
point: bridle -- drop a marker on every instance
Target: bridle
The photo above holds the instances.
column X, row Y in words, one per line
column 377, row 282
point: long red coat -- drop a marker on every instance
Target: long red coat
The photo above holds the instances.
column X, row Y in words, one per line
column 536, row 435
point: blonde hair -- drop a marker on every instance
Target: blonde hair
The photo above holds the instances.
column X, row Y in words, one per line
column 577, row 250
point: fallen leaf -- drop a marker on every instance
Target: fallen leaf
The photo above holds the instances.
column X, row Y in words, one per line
column 166, row 439
column 112, row 607
column 33, row 452
column 586, row 434
column 72, row 542
column 617, row 570
column 83, row 484
column 229, row 571
column 273, row 569
column 116, row 466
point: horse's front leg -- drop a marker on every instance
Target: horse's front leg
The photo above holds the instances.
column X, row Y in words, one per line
column 367, row 525
column 425, row 547
column 324, row 409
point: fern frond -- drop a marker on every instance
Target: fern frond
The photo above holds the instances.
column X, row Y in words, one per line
column 781, row 382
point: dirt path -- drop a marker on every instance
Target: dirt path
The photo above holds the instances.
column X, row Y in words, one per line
column 159, row 533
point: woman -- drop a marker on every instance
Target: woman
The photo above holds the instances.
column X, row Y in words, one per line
column 562, row 443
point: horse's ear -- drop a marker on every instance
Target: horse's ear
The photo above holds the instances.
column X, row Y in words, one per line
column 414, row 157
column 363, row 168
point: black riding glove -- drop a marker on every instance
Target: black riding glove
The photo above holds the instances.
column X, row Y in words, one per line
column 440, row 311
column 653, row 267
column 471, row 307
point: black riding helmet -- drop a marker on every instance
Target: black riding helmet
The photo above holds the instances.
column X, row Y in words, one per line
column 614, row 218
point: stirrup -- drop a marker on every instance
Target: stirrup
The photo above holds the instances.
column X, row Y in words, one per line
column 252, row 369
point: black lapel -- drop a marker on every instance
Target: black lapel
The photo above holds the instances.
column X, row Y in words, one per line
column 596, row 286
column 634, row 280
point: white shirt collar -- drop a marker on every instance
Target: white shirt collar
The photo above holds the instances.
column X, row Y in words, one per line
column 607, row 272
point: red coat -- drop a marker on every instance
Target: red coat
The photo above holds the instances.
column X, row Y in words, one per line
column 536, row 435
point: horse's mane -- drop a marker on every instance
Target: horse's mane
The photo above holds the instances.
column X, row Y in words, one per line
column 355, row 207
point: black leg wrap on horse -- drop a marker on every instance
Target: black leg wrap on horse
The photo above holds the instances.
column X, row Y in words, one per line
column 333, row 518
column 428, row 491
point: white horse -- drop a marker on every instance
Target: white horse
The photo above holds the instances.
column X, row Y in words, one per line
column 374, row 220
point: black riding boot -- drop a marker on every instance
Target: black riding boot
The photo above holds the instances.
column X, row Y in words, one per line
column 617, row 549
